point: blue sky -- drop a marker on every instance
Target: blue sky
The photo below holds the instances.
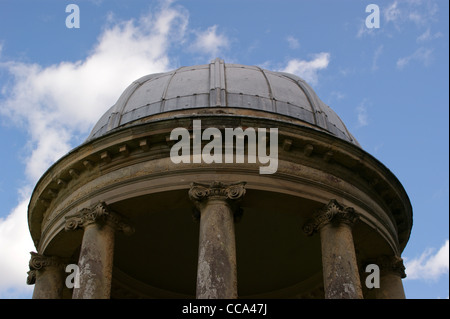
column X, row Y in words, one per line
column 388, row 84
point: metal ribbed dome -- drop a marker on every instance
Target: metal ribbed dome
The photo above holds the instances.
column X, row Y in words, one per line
column 220, row 84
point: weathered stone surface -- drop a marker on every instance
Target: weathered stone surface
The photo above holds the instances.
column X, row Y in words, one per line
column 95, row 263
column 47, row 273
column 216, row 273
column 97, row 249
column 392, row 271
column 340, row 269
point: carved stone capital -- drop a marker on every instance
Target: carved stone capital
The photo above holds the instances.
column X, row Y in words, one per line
column 31, row 277
column 39, row 262
column 390, row 264
column 232, row 193
column 100, row 214
column 333, row 213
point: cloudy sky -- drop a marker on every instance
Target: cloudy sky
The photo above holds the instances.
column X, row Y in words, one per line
column 388, row 84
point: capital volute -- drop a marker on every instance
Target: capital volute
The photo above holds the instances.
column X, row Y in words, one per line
column 40, row 262
column 232, row 192
column 390, row 264
column 31, row 277
column 332, row 213
column 99, row 214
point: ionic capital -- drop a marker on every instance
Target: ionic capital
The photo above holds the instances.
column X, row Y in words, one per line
column 40, row 262
column 99, row 214
column 332, row 213
column 390, row 264
column 230, row 193
column 217, row 190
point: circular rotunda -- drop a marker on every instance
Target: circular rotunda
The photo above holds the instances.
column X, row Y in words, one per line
column 219, row 181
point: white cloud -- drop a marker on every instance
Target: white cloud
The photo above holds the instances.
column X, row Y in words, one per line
column 422, row 55
column 419, row 12
column 60, row 103
column 337, row 95
column 362, row 115
column 376, row 56
column 392, row 13
column 364, row 30
column 15, row 245
column 427, row 36
column 210, row 42
column 293, row 42
column 334, row 97
column 422, row 13
column 400, row 15
column 308, row 70
column 430, row 265
column 65, row 99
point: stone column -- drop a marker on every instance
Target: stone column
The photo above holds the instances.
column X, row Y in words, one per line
column 216, row 272
column 48, row 276
column 392, row 271
column 340, row 269
column 97, row 250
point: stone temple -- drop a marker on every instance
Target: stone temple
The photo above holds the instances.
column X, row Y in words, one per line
column 117, row 217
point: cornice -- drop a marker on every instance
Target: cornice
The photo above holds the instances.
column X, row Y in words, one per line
column 149, row 141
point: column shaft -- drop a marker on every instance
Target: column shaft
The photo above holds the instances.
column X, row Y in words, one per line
column 340, row 270
column 49, row 283
column 95, row 262
column 391, row 287
column 216, row 273
column 97, row 249
column 391, row 273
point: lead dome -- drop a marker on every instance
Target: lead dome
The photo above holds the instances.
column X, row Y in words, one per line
column 221, row 85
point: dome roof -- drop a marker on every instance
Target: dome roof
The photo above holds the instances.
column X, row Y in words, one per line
column 220, row 84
